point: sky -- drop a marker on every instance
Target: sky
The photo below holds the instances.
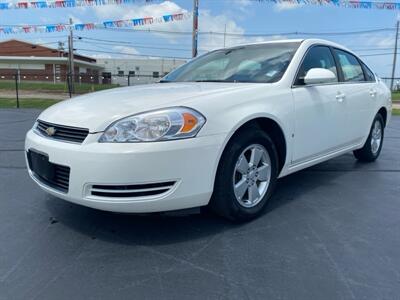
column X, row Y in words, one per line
column 243, row 20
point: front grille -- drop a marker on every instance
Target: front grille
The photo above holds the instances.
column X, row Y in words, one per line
column 132, row 191
column 61, row 132
column 50, row 174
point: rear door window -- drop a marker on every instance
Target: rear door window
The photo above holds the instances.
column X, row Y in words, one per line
column 369, row 75
column 351, row 68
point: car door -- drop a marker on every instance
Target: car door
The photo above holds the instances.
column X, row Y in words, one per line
column 359, row 88
column 320, row 117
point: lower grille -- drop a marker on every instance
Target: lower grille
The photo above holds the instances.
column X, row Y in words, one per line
column 131, row 191
column 52, row 175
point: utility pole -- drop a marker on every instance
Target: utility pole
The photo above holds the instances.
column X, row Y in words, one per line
column 61, row 48
column 71, row 68
column 395, row 55
column 195, row 27
column 225, row 36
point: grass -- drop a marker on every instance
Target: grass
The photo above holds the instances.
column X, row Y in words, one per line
column 396, row 96
column 27, row 103
column 56, row 87
column 396, row 112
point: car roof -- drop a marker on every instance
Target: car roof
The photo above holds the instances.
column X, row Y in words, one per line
column 307, row 42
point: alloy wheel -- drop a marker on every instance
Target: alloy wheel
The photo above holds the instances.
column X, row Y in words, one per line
column 251, row 176
column 376, row 137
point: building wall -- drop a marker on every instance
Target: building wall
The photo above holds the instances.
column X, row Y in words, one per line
column 140, row 71
column 47, row 73
column 19, row 48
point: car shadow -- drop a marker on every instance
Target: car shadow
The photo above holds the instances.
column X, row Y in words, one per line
column 159, row 229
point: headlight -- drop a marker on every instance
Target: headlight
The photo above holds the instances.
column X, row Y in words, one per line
column 160, row 125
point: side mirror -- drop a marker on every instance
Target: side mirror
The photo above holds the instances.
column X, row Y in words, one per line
column 319, row 75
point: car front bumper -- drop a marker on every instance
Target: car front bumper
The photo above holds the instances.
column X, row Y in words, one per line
column 190, row 163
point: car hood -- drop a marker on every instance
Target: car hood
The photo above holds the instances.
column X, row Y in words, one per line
column 97, row 111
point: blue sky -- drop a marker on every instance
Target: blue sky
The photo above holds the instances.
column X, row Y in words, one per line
column 241, row 17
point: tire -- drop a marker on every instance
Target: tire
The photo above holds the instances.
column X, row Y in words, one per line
column 239, row 151
column 373, row 146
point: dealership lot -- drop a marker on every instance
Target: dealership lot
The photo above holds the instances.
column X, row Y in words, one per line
column 331, row 232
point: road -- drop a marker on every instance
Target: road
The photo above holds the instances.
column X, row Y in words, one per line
column 331, row 232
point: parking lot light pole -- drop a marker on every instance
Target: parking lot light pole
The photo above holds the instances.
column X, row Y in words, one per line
column 195, row 32
column 16, row 87
column 71, row 66
column 394, row 55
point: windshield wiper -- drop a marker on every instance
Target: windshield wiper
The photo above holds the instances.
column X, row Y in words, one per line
column 164, row 81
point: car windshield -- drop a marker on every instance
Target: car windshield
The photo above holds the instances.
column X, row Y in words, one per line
column 262, row 63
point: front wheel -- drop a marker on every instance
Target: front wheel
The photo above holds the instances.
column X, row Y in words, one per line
column 373, row 146
column 246, row 176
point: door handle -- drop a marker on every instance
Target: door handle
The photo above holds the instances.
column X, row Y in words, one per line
column 340, row 97
column 372, row 93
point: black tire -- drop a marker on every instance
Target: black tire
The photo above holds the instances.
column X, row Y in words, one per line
column 366, row 153
column 224, row 201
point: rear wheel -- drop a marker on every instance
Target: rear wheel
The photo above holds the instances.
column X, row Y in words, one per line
column 373, row 146
column 246, row 176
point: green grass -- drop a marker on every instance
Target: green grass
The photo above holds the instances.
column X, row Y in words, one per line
column 56, row 87
column 396, row 96
column 27, row 103
column 396, row 112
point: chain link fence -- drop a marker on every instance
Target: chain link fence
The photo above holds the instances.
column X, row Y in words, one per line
column 19, row 85
column 22, row 85
column 396, row 83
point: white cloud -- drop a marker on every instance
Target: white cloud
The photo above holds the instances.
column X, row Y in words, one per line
column 207, row 23
column 280, row 6
column 75, row 19
column 100, row 55
column 129, row 51
column 112, row 12
column 373, row 42
column 243, row 5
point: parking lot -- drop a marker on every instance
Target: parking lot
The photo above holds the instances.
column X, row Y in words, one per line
column 331, row 232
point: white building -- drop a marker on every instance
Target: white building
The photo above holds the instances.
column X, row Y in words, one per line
column 136, row 71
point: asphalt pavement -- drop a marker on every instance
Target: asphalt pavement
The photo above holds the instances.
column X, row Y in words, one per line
column 331, row 232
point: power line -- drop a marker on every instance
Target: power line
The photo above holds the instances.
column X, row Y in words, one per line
column 372, row 49
column 377, row 54
column 131, row 54
column 251, row 34
column 103, row 42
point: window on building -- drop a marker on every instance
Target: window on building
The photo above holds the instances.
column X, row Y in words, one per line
column 121, row 73
column 156, row 74
column 132, row 73
column 106, row 75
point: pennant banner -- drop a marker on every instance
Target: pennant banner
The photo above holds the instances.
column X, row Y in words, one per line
column 340, row 3
column 90, row 26
column 81, row 3
column 66, row 3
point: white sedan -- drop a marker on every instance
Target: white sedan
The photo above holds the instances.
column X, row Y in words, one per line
column 217, row 131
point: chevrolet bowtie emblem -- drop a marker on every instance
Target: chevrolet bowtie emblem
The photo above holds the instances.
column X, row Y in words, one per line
column 50, row 131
